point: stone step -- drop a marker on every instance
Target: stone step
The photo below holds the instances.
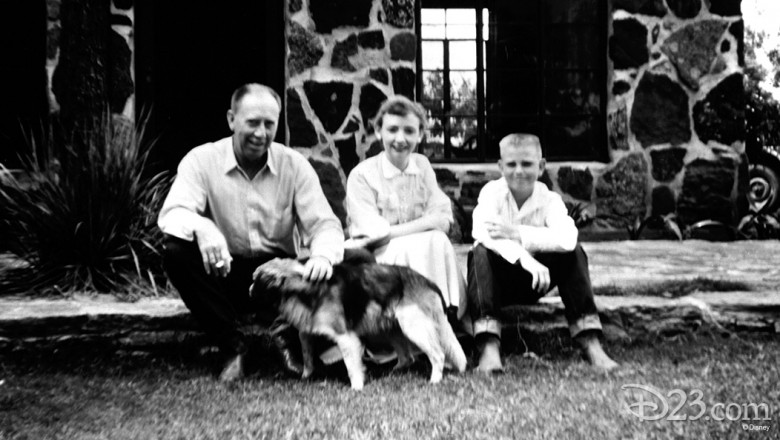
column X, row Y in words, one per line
column 159, row 322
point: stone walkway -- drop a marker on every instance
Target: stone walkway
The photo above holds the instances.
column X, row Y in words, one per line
column 151, row 321
column 629, row 262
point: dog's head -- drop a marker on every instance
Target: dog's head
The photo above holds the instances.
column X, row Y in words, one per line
column 279, row 278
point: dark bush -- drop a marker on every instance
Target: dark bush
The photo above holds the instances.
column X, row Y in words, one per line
column 82, row 216
column 762, row 117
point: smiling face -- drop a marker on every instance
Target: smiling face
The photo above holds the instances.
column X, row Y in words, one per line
column 400, row 136
column 254, row 123
column 521, row 164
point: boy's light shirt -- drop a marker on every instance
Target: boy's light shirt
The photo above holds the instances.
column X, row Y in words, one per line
column 542, row 222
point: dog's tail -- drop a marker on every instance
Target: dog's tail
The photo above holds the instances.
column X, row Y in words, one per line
column 453, row 352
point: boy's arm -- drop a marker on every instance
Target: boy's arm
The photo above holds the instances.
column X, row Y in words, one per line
column 488, row 223
column 487, row 212
column 559, row 233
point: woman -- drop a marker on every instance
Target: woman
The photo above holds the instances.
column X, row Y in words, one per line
column 396, row 207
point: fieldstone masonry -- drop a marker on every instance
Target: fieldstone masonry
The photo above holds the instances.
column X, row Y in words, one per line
column 675, row 121
column 685, row 104
column 345, row 57
column 675, row 114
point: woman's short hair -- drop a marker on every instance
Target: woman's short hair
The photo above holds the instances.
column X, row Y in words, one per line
column 400, row 105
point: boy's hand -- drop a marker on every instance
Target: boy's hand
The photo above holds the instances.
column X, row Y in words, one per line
column 499, row 231
column 540, row 275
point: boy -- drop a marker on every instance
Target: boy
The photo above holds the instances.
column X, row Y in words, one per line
column 525, row 244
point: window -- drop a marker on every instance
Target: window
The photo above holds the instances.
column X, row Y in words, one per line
column 453, row 81
column 492, row 67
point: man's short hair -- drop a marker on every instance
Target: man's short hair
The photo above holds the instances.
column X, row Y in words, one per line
column 248, row 88
column 400, row 105
column 521, row 139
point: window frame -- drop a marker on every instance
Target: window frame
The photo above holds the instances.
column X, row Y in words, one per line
column 476, row 6
column 599, row 150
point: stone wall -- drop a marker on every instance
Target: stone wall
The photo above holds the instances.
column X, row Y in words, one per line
column 344, row 58
column 675, row 119
column 89, row 57
column 676, row 122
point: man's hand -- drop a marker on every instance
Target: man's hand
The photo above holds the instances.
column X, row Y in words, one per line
column 499, row 231
column 214, row 251
column 317, row 269
column 540, row 275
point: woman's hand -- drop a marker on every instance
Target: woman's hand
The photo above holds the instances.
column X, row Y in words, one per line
column 425, row 223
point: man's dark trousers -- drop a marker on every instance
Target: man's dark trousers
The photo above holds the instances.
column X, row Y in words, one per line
column 220, row 305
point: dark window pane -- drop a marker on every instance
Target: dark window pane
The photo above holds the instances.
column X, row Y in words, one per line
column 572, row 93
column 573, row 138
column 569, row 47
column 502, row 125
column 527, row 11
column 568, row 11
column 463, row 93
column 433, row 90
column 513, row 92
column 511, row 49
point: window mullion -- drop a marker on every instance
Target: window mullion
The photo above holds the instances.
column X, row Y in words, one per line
column 480, row 86
column 446, row 105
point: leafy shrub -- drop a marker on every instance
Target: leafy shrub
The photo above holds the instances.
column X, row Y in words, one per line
column 762, row 116
column 668, row 222
column 83, row 216
column 578, row 211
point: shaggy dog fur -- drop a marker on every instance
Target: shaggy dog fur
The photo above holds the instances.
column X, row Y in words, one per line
column 363, row 300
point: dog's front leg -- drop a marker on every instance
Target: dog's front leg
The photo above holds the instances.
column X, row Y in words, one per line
column 352, row 352
column 308, row 354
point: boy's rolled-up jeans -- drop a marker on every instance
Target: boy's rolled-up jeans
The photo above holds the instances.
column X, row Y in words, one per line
column 494, row 283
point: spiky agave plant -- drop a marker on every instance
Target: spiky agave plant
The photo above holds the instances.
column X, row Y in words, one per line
column 84, row 217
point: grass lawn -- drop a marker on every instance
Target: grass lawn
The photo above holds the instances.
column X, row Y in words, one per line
column 87, row 393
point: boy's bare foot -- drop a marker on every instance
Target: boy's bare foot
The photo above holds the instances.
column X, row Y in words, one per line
column 594, row 353
column 490, row 357
column 234, row 369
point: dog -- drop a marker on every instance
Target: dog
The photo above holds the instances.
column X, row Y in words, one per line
column 360, row 301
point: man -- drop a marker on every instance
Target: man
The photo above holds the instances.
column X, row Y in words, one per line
column 525, row 244
column 235, row 204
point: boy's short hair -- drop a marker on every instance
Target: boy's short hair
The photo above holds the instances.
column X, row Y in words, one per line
column 519, row 139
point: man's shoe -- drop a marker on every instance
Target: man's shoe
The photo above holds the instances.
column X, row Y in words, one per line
column 234, row 369
column 288, row 346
